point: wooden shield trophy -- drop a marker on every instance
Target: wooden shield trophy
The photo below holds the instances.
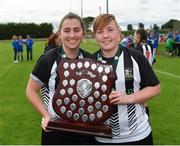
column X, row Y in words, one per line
column 81, row 98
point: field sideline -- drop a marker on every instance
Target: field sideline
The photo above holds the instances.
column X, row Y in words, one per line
column 20, row 123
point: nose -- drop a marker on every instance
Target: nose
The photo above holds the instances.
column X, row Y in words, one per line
column 105, row 34
column 72, row 34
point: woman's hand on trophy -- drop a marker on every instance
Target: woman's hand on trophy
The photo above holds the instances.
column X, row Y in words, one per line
column 117, row 97
column 45, row 121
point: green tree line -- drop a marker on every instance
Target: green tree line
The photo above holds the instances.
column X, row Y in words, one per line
column 42, row 30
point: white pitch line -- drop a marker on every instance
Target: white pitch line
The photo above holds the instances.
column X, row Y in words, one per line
column 166, row 73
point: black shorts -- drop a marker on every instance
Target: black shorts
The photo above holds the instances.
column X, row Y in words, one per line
column 146, row 141
column 65, row 138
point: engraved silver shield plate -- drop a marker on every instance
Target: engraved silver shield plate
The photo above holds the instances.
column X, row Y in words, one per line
column 66, row 100
column 70, row 91
column 72, row 106
column 86, row 64
column 62, row 92
column 97, row 85
column 99, row 114
column 100, row 69
column 63, row 109
column 90, row 109
column 84, row 87
column 81, row 111
column 90, row 100
column 72, row 82
column 66, row 73
column 84, row 118
column 76, row 116
column 93, row 66
column 98, row 105
column 58, row 102
column 104, row 97
column 107, row 70
column 74, row 97
column 92, row 117
column 104, row 78
column 72, row 66
column 105, row 108
column 65, row 83
column 103, row 88
column 65, row 65
column 96, row 94
column 79, row 65
column 69, row 113
column 82, row 103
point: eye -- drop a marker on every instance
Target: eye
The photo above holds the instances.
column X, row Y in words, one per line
column 67, row 30
column 110, row 29
column 77, row 29
column 99, row 31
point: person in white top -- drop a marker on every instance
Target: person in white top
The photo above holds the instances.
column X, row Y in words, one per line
column 136, row 83
column 44, row 77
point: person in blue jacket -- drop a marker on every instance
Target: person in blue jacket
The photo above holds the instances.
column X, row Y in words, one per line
column 20, row 48
column 156, row 41
column 153, row 41
column 29, row 47
column 15, row 47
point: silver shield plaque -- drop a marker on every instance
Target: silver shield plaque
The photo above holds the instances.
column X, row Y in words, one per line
column 84, row 87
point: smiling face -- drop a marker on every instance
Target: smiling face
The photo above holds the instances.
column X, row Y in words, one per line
column 107, row 33
column 71, row 33
column 108, row 37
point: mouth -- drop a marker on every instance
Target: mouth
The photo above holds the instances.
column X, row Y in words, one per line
column 107, row 42
column 72, row 41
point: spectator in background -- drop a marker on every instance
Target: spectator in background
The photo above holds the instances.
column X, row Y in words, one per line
column 20, row 48
column 53, row 42
column 170, row 35
column 170, row 44
column 29, row 47
column 177, row 42
column 140, row 40
column 15, row 47
column 153, row 41
column 156, row 42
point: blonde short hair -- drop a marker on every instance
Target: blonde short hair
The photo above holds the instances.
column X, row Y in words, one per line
column 14, row 37
column 103, row 20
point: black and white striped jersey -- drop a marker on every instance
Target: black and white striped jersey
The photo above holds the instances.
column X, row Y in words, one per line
column 147, row 51
column 130, row 122
column 45, row 74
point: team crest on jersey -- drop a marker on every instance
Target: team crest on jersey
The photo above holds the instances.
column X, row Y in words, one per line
column 128, row 73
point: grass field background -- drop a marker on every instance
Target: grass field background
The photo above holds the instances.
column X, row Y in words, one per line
column 20, row 123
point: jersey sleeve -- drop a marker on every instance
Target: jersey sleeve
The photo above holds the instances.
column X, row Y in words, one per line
column 148, row 77
column 41, row 71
